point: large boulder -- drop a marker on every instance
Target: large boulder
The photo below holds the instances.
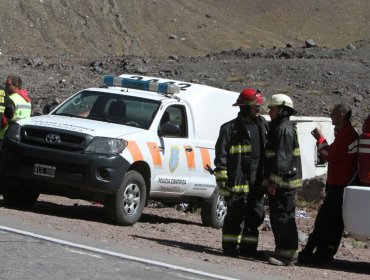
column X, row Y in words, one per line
column 312, row 189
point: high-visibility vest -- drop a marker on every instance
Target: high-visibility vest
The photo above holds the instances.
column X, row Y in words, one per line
column 22, row 107
column 22, row 110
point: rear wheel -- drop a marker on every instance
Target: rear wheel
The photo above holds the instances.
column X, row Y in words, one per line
column 126, row 206
column 214, row 210
column 19, row 195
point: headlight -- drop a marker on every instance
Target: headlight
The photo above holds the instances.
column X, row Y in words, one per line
column 13, row 132
column 106, row 146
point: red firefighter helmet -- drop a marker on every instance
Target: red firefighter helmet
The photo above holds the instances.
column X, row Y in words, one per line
column 250, row 96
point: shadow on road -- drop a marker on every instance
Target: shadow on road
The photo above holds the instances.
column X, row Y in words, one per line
column 344, row 265
column 183, row 245
column 261, row 255
column 94, row 213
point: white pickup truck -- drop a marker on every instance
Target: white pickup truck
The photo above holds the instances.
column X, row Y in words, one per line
column 137, row 138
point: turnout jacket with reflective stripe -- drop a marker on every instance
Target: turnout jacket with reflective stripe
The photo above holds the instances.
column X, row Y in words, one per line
column 233, row 160
column 341, row 155
column 282, row 155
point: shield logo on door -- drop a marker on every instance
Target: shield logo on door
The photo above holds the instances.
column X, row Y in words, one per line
column 174, row 159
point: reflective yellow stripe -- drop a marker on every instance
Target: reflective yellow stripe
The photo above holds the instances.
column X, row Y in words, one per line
column 296, row 152
column 23, row 106
column 293, row 184
column 231, row 238
column 240, row 189
column 223, row 192
column 269, row 154
column 221, row 175
column 249, row 239
column 240, row 149
column 285, row 183
column 286, row 253
column 276, row 179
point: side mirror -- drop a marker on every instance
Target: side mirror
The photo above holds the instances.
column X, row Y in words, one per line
column 170, row 129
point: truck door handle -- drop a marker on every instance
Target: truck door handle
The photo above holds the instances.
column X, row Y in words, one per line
column 188, row 149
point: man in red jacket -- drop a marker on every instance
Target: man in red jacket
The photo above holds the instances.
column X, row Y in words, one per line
column 341, row 156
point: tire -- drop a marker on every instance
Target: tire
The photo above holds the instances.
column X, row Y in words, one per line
column 214, row 210
column 126, row 206
column 18, row 196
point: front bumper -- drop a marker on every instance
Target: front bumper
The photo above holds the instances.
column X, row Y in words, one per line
column 77, row 174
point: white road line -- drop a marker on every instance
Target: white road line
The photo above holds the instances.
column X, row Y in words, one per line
column 119, row 255
column 84, row 253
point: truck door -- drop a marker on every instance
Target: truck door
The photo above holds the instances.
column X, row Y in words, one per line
column 177, row 153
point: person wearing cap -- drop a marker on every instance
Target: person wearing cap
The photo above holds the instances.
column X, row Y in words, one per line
column 238, row 161
column 283, row 175
column 341, row 156
column 19, row 105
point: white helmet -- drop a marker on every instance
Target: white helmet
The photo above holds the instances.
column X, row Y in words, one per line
column 282, row 100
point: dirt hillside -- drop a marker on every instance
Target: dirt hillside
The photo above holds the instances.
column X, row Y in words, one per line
column 90, row 28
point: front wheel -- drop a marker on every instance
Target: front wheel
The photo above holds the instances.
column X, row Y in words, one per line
column 126, row 206
column 214, row 210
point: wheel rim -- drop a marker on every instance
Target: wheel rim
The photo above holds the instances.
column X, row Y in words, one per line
column 221, row 208
column 131, row 199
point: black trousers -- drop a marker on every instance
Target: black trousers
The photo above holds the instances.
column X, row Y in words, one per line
column 283, row 224
column 244, row 216
column 329, row 226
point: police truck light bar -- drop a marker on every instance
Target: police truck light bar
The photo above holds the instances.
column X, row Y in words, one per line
column 140, row 84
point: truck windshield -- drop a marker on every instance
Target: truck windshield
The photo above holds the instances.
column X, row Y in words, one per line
column 114, row 108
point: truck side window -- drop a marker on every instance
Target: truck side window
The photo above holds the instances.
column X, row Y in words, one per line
column 176, row 114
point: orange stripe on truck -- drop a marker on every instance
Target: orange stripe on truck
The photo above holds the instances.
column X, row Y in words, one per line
column 134, row 151
column 156, row 156
column 205, row 158
column 189, row 157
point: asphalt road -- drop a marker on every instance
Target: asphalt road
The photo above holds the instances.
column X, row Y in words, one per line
column 39, row 251
column 30, row 257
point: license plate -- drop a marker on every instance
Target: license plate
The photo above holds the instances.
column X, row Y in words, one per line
column 44, row 170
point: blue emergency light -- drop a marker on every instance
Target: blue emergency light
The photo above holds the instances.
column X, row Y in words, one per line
column 140, row 84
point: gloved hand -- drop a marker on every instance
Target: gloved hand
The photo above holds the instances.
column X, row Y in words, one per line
column 222, row 188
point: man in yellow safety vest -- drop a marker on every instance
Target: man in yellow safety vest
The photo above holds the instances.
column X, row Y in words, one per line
column 18, row 106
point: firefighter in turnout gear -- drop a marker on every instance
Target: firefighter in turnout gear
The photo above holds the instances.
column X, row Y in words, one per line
column 239, row 174
column 283, row 174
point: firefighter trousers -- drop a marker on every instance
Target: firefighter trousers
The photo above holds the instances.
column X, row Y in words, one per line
column 241, row 223
column 329, row 226
column 283, row 224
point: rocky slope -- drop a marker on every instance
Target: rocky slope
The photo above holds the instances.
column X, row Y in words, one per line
column 90, row 28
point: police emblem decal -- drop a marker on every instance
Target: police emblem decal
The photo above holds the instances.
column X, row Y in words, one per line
column 174, row 159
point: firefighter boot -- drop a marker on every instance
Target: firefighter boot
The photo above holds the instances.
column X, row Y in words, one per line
column 306, row 255
column 283, row 261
